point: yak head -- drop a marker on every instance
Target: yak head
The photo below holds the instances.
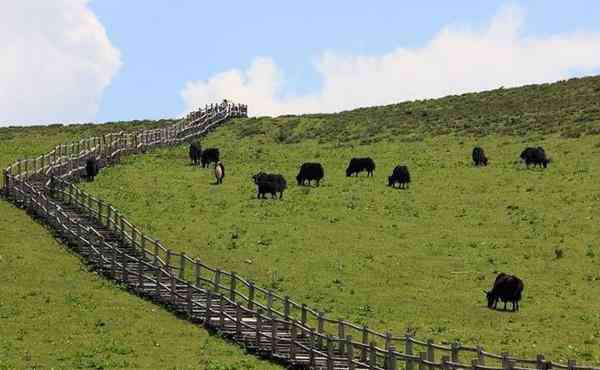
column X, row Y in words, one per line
column 348, row 172
column 390, row 181
column 258, row 177
column 299, row 179
column 490, row 298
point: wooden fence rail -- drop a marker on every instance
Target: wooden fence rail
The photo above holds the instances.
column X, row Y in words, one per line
column 259, row 319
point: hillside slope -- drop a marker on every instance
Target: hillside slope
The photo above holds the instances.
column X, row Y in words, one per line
column 393, row 259
column 568, row 108
column 54, row 313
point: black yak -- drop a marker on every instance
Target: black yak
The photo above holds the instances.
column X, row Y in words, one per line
column 401, row 176
column 208, row 156
column 535, row 156
column 91, row 168
column 195, row 152
column 219, row 172
column 269, row 183
column 479, row 157
column 507, row 288
column 357, row 165
column 309, row 172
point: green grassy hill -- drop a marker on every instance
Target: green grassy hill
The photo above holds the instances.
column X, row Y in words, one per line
column 354, row 248
column 394, row 259
column 56, row 314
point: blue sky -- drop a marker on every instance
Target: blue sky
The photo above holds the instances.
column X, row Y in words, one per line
column 161, row 58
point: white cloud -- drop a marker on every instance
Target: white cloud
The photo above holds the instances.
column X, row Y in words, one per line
column 56, row 61
column 456, row 60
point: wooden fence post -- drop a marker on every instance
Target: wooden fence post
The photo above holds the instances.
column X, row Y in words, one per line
column 320, row 326
column 392, row 363
column 350, row 352
column 372, row 356
column 571, row 364
column 293, row 339
column 474, row 364
column 311, row 341
column 303, row 314
column 238, row 320
column 365, row 343
column 232, row 286
column 422, row 358
column 173, row 288
column 455, row 346
column 481, row 356
column 221, row 311
column 341, row 335
column 208, row 314
column 124, row 274
column 286, row 308
column 258, row 328
column 270, row 302
column 539, row 362
column 273, row 334
column 182, row 265
column 251, row 295
column 217, row 281
column 329, row 353
column 190, row 305
column 6, row 183
column 198, row 271
column 445, row 360
column 408, row 349
column 158, row 277
column 168, row 262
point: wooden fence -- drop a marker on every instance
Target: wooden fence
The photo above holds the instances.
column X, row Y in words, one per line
column 257, row 318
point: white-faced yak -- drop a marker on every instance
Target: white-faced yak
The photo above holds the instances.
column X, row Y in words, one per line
column 219, row 172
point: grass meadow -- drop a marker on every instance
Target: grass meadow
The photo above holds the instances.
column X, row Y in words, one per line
column 54, row 313
column 392, row 259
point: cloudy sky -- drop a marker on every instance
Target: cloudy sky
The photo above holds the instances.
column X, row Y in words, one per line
column 101, row 60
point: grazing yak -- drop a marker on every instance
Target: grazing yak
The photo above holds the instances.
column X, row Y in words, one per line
column 91, row 168
column 269, row 183
column 219, row 172
column 309, row 172
column 195, row 153
column 479, row 157
column 208, row 156
column 401, row 176
column 357, row 165
column 535, row 156
column 507, row 288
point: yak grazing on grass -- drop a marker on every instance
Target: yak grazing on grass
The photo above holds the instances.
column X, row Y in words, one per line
column 195, row 152
column 269, row 183
column 535, row 156
column 208, row 156
column 401, row 176
column 479, row 157
column 309, row 172
column 91, row 168
column 507, row 288
column 357, row 165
